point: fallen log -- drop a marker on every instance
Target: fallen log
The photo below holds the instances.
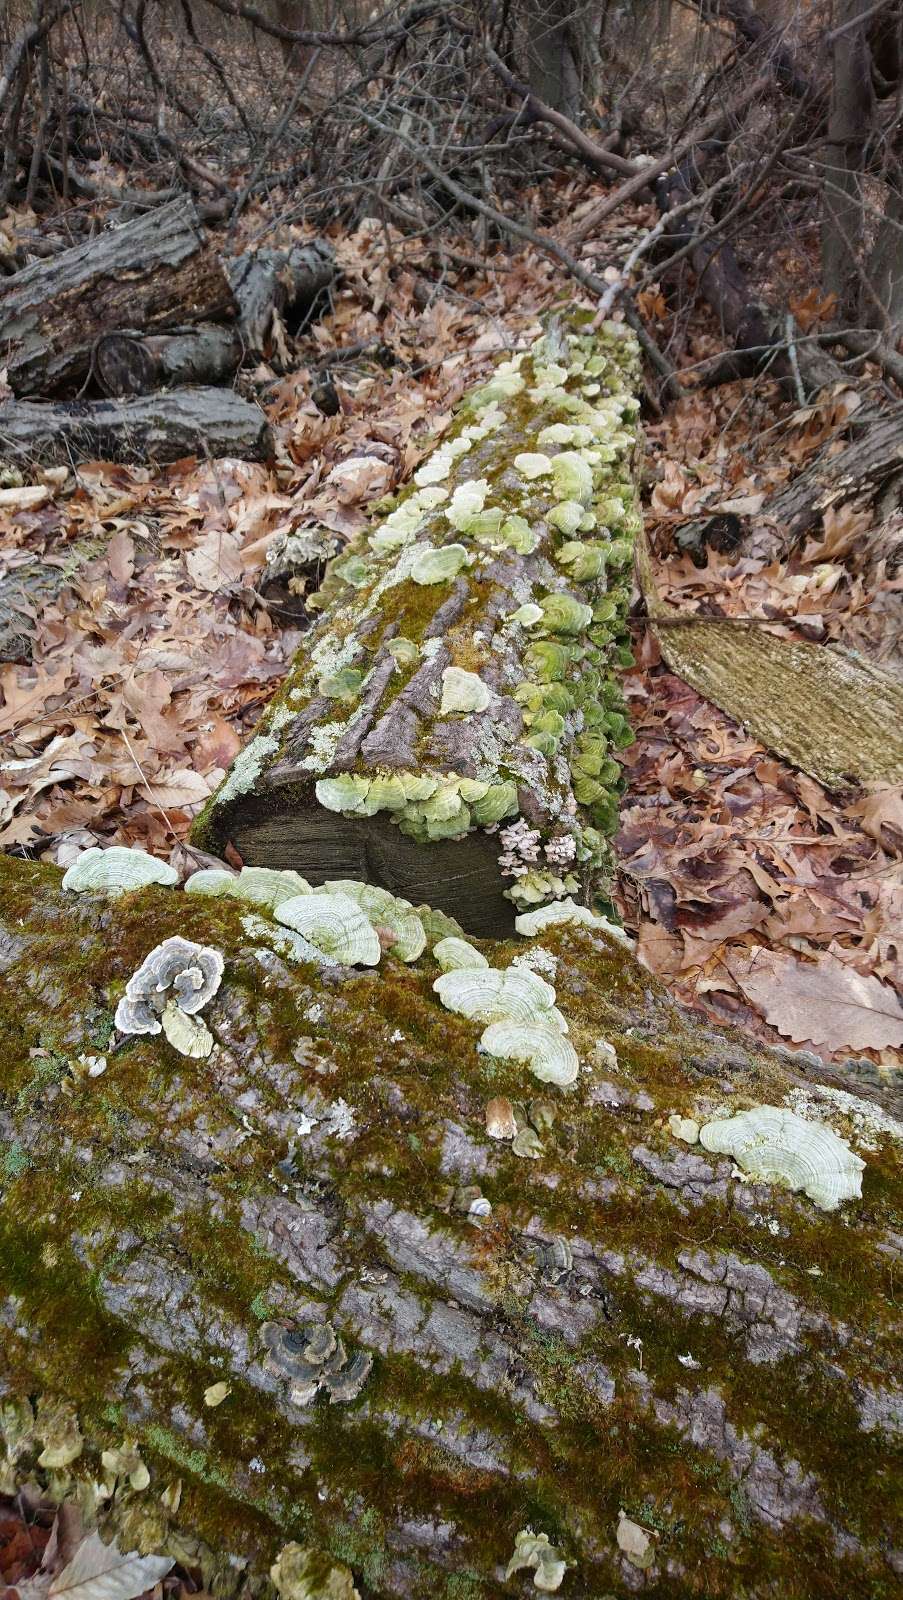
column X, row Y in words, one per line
column 160, row 427
column 156, row 271
column 128, row 363
column 462, row 678
column 278, row 284
column 344, row 1278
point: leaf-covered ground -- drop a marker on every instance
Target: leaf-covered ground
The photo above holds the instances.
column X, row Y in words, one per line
column 759, row 896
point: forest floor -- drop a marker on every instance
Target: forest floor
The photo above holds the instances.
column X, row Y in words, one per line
column 153, row 666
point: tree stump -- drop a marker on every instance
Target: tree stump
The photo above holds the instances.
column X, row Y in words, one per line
column 153, row 272
column 313, row 1284
column 462, row 678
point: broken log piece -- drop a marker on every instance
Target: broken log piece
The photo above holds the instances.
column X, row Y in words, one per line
column 156, row 271
column 324, row 1305
column 831, row 713
column 278, row 282
column 463, row 677
column 160, row 427
column 26, row 589
column 128, row 364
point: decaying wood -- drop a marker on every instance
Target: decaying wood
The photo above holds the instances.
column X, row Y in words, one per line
column 834, row 715
column 421, row 611
column 160, row 427
column 620, row 1322
column 154, row 272
column 273, row 283
column 128, row 363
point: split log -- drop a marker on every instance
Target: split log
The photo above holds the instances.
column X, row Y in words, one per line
column 161, row 427
column 463, row 674
column 829, row 712
column 156, row 271
column 127, row 363
column 622, row 1323
column 280, row 283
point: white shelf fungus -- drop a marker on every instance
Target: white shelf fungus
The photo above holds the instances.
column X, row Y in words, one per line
column 335, row 924
column 261, row 886
column 385, row 911
column 534, row 1550
column 550, row 1057
column 777, row 1146
column 485, row 995
column 437, row 566
column 453, row 954
column 176, row 976
column 564, row 911
column 462, row 691
column 116, row 871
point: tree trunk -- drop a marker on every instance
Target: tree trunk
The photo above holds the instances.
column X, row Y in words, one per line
column 556, row 34
column 154, row 272
column 162, row 427
column 621, row 1324
column 849, row 126
column 128, row 364
column 885, row 268
column 278, row 284
column 463, row 673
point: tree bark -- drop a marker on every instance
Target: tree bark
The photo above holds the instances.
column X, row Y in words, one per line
column 554, row 29
column 622, row 1323
column 849, row 127
column 127, row 364
column 368, row 753
column 884, row 275
column 162, row 427
column 154, row 272
column 276, row 284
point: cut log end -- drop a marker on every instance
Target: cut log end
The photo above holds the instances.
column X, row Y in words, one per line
column 458, row 876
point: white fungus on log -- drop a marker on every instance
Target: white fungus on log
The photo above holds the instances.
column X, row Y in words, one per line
column 777, row 1146
column 176, row 975
column 335, row 924
column 116, row 871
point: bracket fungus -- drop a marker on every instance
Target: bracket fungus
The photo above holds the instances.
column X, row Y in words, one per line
column 261, row 886
column 550, row 1057
column 314, row 1358
column 116, row 871
column 488, row 994
column 386, row 911
column 455, row 954
column 177, row 976
column 777, row 1146
column 462, row 692
column 534, row 1550
column 335, row 924
column 564, row 911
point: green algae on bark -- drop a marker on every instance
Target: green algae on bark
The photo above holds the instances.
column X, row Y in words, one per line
column 460, row 688
column 632, row 1326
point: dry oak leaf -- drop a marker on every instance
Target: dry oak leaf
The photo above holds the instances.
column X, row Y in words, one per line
column 99, row 1571
column 822, row 1002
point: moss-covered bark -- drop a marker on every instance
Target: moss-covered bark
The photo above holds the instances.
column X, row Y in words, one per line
column 631, row 1325
column 460, row 689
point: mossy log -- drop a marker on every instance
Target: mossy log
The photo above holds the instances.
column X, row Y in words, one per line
column 611, row 1321
column 462, row 679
